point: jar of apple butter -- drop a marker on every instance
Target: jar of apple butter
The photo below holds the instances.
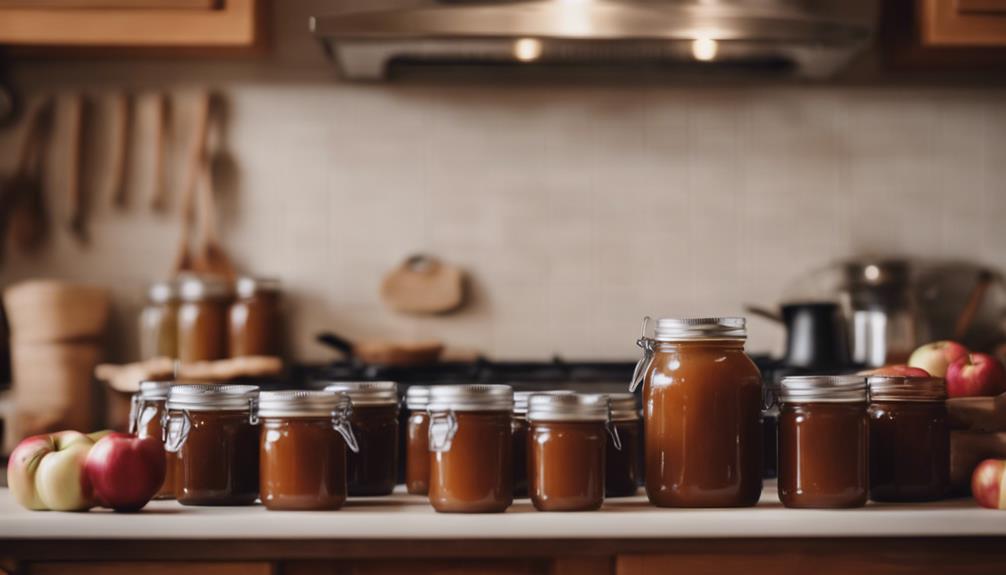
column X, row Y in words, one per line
column 146, row 419
column 159, row 322
column 213, row 430
column 202, row 319
column 909, row 438
column 303, row 449
column 417, row 441
column 699, row 384
column 255, row 318
column 567, row 440
column 374, row 469
column 823, row 441
column 471, row 448
column 621, row 475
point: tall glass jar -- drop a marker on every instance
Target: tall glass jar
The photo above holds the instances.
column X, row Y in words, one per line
column 255, row 318
column 417, row 440
column 823, row 441
column 699, row 384
column 567, row 440
column 213, row 429
column 471, row 448
column 202, row 319
column 159, row 322
column 374, row 469
column 146, row 419
column 621, row 478
column 909, row 438
column 303, row 449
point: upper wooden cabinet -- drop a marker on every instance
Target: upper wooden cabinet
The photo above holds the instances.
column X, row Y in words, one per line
column 962, row 22
column 231, row 24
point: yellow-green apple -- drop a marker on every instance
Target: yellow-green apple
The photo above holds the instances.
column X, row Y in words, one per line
column 126, row 471
column 47, row 472
column 897, row 370
column 988, row 484
column 937, row 356
column 978, row 374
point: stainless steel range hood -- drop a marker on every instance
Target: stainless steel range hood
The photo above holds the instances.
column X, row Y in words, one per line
column 808, row 38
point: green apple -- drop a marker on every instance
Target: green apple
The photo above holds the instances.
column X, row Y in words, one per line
column 47, row 472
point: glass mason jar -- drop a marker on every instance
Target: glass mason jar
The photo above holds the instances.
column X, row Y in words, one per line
column 374, row 469
column 823, row 441
column 303, row 449
column 909, row 438
column 567, row 440
column 471, row 448
column 255, row 318
column 417, row 440
column 146, row 419
column 621, row 476
column 699, row 384
column 159, row 322
column 202, row 319
column 213, row 429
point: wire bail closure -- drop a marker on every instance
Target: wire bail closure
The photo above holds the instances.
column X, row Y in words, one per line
column 443, row 428
column 341, row 423
column 643, row 365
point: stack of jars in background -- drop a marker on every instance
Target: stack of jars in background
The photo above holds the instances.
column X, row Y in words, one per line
column 203, row 318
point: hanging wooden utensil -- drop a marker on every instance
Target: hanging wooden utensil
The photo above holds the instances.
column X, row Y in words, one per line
column 424, row 285
column 25, row 193
column 122, row 112
column 162, row 118
column 211, row 259
column 185, row 260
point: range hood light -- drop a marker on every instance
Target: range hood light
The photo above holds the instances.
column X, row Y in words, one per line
column 704, row 49
column 527, row 49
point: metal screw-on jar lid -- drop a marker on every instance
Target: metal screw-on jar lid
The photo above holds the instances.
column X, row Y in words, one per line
column 823, row 389
column 568, row 407
column 417, row 397
column 155, row 390
column 896, row 388
column 297, row 403
column 368, row 392
column 246, row 287
column 212, row 397
column 623, row 406
column 474, row 397
column 676, row 329
column 520, row 399
column 200, row 288
column 163, row 292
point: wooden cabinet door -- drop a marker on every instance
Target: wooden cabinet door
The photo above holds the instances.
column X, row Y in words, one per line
column 963, row 22
column 150, row 568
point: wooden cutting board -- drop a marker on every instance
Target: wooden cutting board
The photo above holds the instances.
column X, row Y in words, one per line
column 424, row 285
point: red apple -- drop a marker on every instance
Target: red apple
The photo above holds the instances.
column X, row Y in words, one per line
column 897, row 370
column 978, row 374
column 47, row 472
column 126, row 471
column 937, row 356
column 988, row 484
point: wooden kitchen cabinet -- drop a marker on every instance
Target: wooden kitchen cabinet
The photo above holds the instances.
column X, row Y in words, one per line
column 948, row 35
column 962, row 22
column 150, row 568
column 230, row 24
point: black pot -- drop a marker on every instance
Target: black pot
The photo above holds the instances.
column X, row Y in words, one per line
column 816, row 336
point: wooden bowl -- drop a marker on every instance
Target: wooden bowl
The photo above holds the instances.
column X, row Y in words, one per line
column 49, row 311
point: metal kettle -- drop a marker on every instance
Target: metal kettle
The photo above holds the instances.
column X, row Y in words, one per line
column 881, row 305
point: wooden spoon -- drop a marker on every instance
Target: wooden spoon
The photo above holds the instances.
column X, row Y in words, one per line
column 122, row 108
column 25, row 190
column 74, row 167
column 185, row 260
column 211, row 259
column 162, row 118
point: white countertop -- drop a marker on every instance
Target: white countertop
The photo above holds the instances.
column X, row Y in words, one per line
column 403, row 516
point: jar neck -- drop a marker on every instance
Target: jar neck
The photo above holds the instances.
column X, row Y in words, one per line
column 732, row 344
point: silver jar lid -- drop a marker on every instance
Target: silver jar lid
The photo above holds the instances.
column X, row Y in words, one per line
column 200, row 288
column 568, row 407
column 367, row 392
column 155, row 390
column 163, row 292
column 300, row 403
column 520, row 399
column 417, row 397
column 623, row 406
column 473, row 397
column 213, row 397
column 677, row 329
column 247, row 286
column 823, row 389
column 897, row 388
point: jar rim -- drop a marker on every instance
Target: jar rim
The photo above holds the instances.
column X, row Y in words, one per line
column 623, row 406
column 153, row 390
column 302, row 403
column 700, row 328
column 823, row 389
column 200, row 288
column 902, row 388
column 248, row 286
column 520, row 398
column 471, row 397
column 417, row 397
column 212, row 397
column 367, row 392
column 568, row 407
